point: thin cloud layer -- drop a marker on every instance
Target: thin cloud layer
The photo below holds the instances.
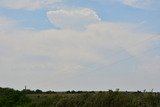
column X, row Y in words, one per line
column 73, row 18
column 5, row 23
column 144, row 4
column 27, row 4
column 37, row 4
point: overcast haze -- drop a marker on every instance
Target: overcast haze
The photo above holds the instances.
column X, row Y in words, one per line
column 80, row 44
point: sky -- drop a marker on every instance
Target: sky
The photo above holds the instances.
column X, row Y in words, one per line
column 65, row 45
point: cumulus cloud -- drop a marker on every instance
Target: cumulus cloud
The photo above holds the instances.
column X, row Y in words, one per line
column 73, row 18
column 57, row 56
column 144, row 4
column 27, row 4
column 60, row 56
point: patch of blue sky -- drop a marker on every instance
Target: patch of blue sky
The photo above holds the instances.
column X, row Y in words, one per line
column 36, row 19
column 118, row 12
column 107, row 11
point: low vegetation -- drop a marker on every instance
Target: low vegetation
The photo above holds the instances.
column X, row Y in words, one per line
column 27, row 98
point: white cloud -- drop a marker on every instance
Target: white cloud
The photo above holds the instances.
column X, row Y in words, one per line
column 5, row 23
column 144, row 4
column 122, row 35
column 27, row 4
column 73, row 18
column 42, row 58
column 150, row 65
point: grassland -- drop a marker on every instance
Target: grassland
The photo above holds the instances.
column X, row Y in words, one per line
column 27, row 98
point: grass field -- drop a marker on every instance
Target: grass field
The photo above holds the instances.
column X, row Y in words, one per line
column 98, row 99
column 26, row 98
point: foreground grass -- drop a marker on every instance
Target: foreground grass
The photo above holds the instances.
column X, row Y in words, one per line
column 12, row 98
column 100, row 99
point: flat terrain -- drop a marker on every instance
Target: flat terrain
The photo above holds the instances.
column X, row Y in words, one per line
column 27, row 98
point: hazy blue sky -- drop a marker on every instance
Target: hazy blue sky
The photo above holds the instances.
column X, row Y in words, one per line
column 80, row 44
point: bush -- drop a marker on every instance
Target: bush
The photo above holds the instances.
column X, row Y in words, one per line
column 12, row 98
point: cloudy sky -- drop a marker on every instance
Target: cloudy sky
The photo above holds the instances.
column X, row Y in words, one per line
column 80, row 44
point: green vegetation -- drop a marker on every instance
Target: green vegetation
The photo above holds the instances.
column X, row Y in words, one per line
column 28, row 98
column 12, row 98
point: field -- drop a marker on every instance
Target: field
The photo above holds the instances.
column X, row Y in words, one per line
column 27, row 98
column 99, row 99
